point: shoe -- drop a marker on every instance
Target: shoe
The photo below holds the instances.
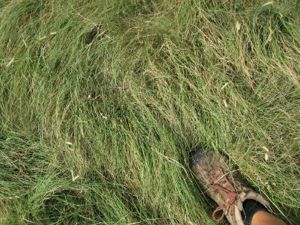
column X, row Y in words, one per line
column 223, row 186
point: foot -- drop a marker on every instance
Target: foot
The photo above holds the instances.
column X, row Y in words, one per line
column 223, row 186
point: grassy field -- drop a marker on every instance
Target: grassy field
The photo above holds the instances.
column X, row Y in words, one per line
column 101, row 102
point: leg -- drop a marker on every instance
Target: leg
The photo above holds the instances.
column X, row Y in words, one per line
column 265, row 218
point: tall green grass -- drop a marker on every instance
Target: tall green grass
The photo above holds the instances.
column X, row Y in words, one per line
column 101, row 102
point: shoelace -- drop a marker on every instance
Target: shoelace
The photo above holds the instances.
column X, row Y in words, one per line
column 228, row 192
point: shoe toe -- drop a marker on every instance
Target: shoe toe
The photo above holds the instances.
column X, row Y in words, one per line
column 195, row 156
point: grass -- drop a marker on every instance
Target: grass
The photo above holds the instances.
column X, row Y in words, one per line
column 101, row 101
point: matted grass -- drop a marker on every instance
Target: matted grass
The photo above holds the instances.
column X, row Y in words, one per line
column 101, row 102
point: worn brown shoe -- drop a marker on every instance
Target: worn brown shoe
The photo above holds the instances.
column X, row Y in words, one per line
column 223, row 186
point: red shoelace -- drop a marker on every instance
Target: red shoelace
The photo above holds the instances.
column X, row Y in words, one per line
column 225, row 188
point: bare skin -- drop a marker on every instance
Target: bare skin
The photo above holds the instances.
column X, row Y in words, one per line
column 265, row 218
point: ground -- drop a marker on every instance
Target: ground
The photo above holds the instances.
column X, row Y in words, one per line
column 101, row 102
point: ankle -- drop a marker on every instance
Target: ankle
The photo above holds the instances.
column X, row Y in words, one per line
column 257, row 214
column 265, row 218
column 251, row 207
